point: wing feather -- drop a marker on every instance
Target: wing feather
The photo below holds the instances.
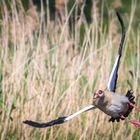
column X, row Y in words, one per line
column 114, row 74
column 60, row 120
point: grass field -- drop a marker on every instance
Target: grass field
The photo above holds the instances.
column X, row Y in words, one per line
column 47, row 72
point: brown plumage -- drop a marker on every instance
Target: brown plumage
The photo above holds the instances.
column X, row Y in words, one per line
column 112, row 104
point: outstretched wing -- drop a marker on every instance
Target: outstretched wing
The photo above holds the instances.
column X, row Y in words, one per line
column 59, row 120
column 114, row 74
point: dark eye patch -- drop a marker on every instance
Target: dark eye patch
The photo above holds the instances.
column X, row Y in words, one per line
column 100, row 92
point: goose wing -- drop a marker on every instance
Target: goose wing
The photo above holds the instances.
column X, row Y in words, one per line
column 60, row 120
column 114, row 74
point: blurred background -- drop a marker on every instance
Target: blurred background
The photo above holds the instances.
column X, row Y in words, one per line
column 54, row 54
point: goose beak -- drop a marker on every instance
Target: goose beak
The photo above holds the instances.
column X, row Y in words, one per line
column 95, row 95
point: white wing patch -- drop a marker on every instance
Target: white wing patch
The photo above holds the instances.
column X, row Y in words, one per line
column 113, row 76
column 80, row 111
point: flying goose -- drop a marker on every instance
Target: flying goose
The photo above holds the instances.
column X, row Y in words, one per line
column 116, row 105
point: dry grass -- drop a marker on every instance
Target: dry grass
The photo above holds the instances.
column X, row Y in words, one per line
column 46, row 72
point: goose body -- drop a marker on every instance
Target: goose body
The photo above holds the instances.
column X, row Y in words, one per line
column 112, row 104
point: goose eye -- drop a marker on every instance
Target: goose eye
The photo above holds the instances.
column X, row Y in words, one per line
column 100, row 92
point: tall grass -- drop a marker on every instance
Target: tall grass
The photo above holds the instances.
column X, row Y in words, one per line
column 47, row 72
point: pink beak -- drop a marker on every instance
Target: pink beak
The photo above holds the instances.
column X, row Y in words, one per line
column 95, row 96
